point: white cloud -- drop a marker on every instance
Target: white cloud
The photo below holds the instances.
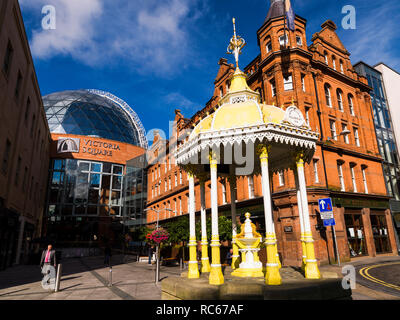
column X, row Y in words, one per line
column 147, row 35
column 74, row 31
column 177, row 100
column 375, row 35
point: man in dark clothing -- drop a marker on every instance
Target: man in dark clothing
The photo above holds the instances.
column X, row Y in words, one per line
column 150, row 253
column 229, row 256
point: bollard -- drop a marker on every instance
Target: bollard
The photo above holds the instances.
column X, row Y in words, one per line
column 110, row 280
column 58, row 279
column 180, row 263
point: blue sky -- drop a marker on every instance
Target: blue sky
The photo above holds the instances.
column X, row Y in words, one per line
column 159, row 55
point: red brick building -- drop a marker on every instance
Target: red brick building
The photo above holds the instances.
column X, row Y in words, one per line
column 335, row 100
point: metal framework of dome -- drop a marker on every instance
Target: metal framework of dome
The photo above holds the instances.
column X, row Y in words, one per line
column 94, row 113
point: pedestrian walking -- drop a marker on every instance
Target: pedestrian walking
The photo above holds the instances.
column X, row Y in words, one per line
column 229, row 256
column 150, row 253
column 48, row 257
column 48, row 263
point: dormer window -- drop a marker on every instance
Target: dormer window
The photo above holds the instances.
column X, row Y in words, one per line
column 273, row 88
column 269, row 47
column 283, row 40
column 288, row 82
column 299, row 41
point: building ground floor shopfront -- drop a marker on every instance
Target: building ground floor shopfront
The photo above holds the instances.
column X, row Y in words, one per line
column 8, row 237
column 17, row 235
column 364, row 225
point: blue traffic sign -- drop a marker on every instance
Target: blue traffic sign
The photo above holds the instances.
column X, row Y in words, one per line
column 325, row 205
column 329, row 222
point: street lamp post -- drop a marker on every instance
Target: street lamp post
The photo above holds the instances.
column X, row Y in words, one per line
column 157, row 276
column 343, row 133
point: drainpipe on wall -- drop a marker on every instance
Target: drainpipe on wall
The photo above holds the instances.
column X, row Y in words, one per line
column 320, row 128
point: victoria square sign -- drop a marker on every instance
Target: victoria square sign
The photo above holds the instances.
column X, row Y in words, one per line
column 94, row 147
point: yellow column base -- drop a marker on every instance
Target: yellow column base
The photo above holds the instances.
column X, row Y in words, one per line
column 235, row 256
column 311, row 269
column 205, row 261
column 272, row 276
column 193, row 272
column 216, row 277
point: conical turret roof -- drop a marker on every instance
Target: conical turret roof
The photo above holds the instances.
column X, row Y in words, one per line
column 277, row 9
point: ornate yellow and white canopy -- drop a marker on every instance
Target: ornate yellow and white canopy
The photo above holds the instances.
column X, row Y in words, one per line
column 241, row 118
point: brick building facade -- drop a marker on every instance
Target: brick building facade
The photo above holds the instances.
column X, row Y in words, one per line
column 346, row 166
column 24, row 141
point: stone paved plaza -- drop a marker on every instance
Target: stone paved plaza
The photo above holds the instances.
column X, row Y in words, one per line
column 87, row 279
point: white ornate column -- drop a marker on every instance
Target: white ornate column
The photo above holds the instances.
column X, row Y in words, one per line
column 311, row 269
column 216, row 276
column 273, row 276
column 205, row 261
column 193, row 271
column 235, row 248
column 301, row 219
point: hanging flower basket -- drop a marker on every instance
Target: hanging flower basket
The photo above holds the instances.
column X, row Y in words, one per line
column 157, row 236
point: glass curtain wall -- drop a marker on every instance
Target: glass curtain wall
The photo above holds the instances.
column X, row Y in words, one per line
column 84, row 188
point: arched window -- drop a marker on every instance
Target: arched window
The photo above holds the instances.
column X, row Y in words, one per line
column 328, row 95
column 340, row 175
column 339, row 95
column 221, row 91
column 364, row 175
column 299, row 41
column 269, row 46
column 351, row 105
column 353, row 176
column 326, row 57
column 334, row 62
column 283, row 39
column 341, row 66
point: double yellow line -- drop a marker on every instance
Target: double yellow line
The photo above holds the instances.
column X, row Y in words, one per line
column 364, row 272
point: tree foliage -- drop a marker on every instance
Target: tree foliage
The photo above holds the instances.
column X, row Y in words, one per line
column 224, row 228
column 139, row 234
column 179, row 229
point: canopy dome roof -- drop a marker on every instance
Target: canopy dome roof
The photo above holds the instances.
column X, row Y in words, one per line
column 240, row 107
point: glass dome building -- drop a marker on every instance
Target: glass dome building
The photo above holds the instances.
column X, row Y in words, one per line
column 97, row 177
column 94, row 113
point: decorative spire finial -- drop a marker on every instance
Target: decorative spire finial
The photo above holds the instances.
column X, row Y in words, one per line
column 235, row 45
